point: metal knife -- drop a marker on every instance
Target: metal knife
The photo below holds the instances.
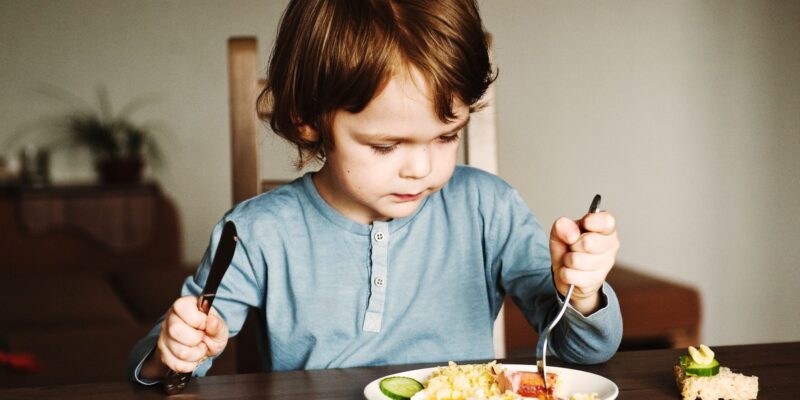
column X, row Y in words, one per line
column 175, row 382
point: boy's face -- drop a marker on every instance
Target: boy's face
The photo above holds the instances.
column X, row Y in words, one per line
column 388, row 157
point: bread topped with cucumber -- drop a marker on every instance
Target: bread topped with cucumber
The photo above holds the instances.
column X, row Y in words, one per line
column 700, row 376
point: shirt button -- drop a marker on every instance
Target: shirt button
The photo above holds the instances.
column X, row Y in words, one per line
column 379, row 236
column 379, row 282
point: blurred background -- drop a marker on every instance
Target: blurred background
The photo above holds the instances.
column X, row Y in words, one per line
column 684, row 115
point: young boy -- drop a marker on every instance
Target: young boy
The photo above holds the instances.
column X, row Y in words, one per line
column 390, row 253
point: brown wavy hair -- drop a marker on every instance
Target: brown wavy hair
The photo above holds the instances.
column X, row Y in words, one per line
column 333, row 55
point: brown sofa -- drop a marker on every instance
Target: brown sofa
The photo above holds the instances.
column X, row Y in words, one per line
column 71, row 297
column 656, row 313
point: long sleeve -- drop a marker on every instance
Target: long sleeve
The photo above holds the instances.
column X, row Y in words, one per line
column 588, row 339
column 241, row 288
column 521, row 265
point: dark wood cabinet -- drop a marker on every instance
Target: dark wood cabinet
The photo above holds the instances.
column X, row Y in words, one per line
column 87, row 226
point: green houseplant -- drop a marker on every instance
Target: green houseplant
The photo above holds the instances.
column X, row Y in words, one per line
column 120, row 148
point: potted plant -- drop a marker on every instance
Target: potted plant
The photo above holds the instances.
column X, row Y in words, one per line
column 119, row 147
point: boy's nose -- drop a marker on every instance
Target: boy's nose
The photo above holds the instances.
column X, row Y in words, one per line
column 418, row 163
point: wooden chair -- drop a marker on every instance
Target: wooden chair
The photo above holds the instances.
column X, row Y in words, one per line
column 649, row 321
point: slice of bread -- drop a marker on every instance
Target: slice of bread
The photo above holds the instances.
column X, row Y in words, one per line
column 725, row 385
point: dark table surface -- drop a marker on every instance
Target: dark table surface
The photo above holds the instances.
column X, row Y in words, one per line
column 638, row 374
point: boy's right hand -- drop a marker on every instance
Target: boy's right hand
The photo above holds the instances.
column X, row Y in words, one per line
column 188, row 336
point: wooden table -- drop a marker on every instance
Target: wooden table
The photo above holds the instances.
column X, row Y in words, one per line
column 639, row 375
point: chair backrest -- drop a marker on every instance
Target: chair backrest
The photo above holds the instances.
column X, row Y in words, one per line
column 480, row 144
column 243, row 88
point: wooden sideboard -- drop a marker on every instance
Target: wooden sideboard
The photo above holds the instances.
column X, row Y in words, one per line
column 72, row 225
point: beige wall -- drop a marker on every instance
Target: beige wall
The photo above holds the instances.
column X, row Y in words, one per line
column 683, row 114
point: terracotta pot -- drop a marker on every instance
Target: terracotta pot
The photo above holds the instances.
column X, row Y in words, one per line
column 120, row 170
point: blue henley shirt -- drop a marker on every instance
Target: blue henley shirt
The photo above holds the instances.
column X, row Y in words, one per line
column 426, row 288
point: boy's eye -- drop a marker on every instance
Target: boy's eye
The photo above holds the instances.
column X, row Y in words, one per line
column 388, row 148
column 449, row 138
column 383, row 149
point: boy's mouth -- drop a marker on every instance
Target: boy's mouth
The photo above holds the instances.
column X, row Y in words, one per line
column 403, row 197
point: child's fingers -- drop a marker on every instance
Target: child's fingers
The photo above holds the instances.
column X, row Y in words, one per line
column 214, row 324
column 588, row 262
column 176, row 364
column 187, row 353
column 178, row 330
column 186, row 308
column 584, row 281
column 557, row 251
column 189, row 336
column 216, row 334
column 565, row 231
column 596, row 243
column 579, row 261
column 167, row 349
column 601, row 222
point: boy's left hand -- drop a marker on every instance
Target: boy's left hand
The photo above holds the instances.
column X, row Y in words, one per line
column 583, row 259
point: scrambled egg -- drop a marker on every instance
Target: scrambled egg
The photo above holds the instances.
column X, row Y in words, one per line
column 472, row 382
column 464, row 382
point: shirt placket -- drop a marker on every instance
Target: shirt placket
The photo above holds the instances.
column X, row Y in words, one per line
column 378, row 267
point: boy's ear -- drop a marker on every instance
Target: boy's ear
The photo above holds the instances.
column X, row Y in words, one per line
column 308, row 133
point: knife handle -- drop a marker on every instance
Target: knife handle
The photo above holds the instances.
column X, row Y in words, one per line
column 175, row 382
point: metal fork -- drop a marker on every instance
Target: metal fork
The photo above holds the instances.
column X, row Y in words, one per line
column 541, row 365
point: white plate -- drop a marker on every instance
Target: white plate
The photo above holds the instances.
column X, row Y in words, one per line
column 575, row 380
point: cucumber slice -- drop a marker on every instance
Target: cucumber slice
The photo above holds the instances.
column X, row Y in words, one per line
column 399, row 387
column 694, row 369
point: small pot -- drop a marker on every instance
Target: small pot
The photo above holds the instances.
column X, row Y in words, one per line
column 120, row 170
